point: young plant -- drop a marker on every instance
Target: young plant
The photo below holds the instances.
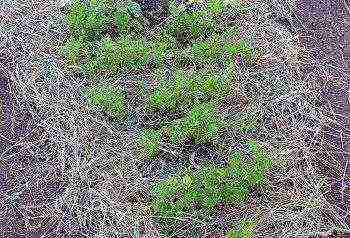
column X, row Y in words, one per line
column 263, row 162
column 190, row 25
column 128, row 19
column 241, row 48
column 216, row 6
column 230, row 32
column 181, row 193
column 87, row 21
column 124, row 53
column 163, row 98
column 203, row 123
column 161, row 45
column 188, row 89
column 208, row 51
column 74, row 49
column 109, row 98
column 248, row 123
column 245, row 230
column 205, row 188
column 121, row 18
column 246, row 50
column 149, row 143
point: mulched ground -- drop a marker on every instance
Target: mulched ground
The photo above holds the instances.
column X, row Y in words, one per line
column 321, row 34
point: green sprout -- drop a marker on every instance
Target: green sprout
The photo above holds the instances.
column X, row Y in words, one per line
column 86, row 21
column 262, row 164
column 74, row 49
column 109, row 98
column 245, row 230
column 116, row 55
column 202, row 123
column 209, row 50
column 162, row 43
column 207, row 187
column 190, row 25
column 128, row 19
column 216, row 6
column 121, row 19
column 149, row 142
column 188, row 89
column 242, row 48
column 230, row 32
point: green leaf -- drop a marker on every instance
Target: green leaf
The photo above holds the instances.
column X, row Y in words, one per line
column 134, row 8
column 216, row 6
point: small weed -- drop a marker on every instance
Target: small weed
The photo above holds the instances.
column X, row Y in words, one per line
column 124, row 53
column 149, row 142
column 242, row 48
column 262, row 164
column 161, row 44
column 246, row 124
column 121, row 19
column 245, row 231
column 188, row 89
column 209, row 51
column 74, row 49
column 202, row 123
column 216, row 6
column 91, row 67
column 190, row 25
column 109, row 98
column 176, row 9
column 163, row 98
column 208, row 186
column 128, row 19
column 230, row 32
column 177, row 132
column 245, row 49
column 86, row 21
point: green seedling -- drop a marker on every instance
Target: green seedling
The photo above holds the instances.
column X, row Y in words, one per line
column 124, row 53
column 242, row 48
column 230, row 32
column 245, row 231
column 188, row 89
column 216, row 6
column 74, row 49
column 207, row 187
column 86, row 21
column 177, row 132
column 122, row 20
column 128, row 19
column 245, row 49
column 149, row 142
column 162, row 43
column 202, row 123
column 262, row 163
column 190, row 25
column 109, row 98
column 176, row 9
column 163, row 98
column 246, row 124
column 209, row 51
